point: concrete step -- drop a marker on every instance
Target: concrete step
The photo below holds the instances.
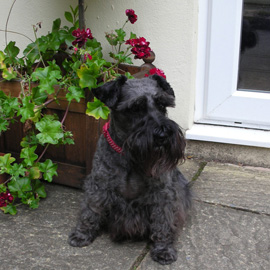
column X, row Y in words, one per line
column 229, row 153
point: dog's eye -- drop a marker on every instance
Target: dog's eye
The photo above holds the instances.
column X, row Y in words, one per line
column 139, row 106
column 161, row 107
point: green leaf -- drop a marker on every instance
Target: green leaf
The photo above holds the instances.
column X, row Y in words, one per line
column 9, row 209
column 47, row 78
column 2, row 58
column 56, row 25
column 121, row 57
column 94, row 47
column 31, row 52
column 50, row 130
column 97, row 109
column 75, row 66
column 34, row 173
column 49, row 170
column 38, row 96
column 29, row 155
column 43, row 43
column 29, row 140
column 68, row 16
column 112, row 39
column 5, row 163
column 54, row 40
column 11, row 50
column 17, row 170
column 26, row 111
column 20, row 186
column 30, row 200
column 86, row 77
column 68, row 138
column 3, row 125
column 41, row 74
column 129, row 76
column 132, row 36
column 39, row 189
column 75, row 92
column 9, row 74
column 121, row 35
column 8, row 105
column 128, row 60
column 3, row 188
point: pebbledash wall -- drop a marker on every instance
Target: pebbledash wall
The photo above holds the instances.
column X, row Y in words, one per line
column 169, row 25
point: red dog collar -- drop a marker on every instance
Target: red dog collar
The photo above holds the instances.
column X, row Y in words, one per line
column 109, row 139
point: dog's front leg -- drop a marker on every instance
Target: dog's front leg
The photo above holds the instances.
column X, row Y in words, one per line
column 88, row 226
column 162, row 235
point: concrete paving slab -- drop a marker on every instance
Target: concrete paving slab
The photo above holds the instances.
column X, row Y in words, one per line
column 215, row 236
column 219, row 238
column 245, row 188
column 37, row 239
column 190, row 167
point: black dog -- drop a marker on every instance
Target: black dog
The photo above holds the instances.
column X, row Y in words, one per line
column 135, row 189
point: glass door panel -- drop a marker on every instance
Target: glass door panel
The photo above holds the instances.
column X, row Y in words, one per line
column 254, row 64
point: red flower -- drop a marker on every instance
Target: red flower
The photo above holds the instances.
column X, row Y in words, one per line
column 156, row 71
column 87, row 55
column 5, row 198
column 140, row 48
column 132, row 17
column 81, row 36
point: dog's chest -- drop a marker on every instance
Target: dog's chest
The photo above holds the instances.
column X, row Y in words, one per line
column 132, row 186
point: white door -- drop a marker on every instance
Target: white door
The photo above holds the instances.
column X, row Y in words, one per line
column 233, row 75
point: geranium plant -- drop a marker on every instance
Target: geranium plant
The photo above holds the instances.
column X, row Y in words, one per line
column 67, row 59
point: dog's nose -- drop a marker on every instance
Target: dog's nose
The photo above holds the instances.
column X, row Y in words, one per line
column 161, row 132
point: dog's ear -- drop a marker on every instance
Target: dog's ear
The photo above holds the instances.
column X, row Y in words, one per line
column 110, row 91
column 163, row 84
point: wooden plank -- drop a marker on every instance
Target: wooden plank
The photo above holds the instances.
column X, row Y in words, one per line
column 70, row 175
column 12, row 138
column 13, row 88
column 75, row 154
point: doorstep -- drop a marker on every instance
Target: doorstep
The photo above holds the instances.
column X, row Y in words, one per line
column 229, row 153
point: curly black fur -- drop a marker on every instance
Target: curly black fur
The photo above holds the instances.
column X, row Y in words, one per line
column 140, row 193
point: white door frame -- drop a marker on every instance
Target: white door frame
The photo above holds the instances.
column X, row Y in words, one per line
column 218, row 102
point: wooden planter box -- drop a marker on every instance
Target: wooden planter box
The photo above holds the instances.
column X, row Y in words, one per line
column 74, row 161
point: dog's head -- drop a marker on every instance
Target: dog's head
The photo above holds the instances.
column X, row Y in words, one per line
column 151, row 141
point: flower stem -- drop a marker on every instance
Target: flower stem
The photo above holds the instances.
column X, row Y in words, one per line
column 43, row 152
column 14, row 32
column 65, row 115
column 8, row 20
column 41, row 59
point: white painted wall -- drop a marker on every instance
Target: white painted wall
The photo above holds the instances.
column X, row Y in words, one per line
column 26, row 13
column 169, row 25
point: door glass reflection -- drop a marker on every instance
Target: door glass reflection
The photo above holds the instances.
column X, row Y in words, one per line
column 254, row 65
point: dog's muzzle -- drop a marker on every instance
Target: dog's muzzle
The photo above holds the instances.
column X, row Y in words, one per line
column 161, row 134
column 155, row 148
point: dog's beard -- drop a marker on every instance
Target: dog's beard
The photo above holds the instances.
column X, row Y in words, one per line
column 151, row 155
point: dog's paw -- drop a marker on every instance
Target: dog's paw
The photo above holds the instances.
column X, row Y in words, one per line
column 164, row 255
column 79, row 239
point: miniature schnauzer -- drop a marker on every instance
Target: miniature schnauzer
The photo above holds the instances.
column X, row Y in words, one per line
column 135, row 189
